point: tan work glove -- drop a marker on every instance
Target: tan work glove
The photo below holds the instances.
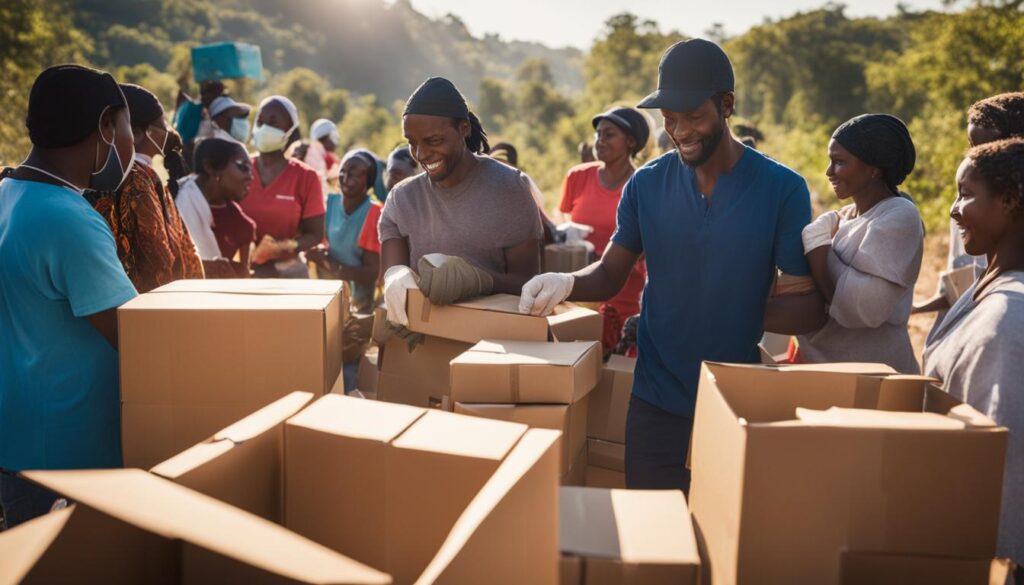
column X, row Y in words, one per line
column 447, row 279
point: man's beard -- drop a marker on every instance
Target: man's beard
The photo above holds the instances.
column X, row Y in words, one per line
column 705, row 153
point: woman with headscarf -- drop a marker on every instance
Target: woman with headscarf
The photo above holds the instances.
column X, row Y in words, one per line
column 591, row 194
column 152, row 242
column 286, row 198
column 353, row 248
column 976, row 350
column 468, row 223
column 865, row 258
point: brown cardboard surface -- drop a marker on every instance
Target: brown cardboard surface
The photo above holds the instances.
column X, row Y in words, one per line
column 366, row 381
column 525, row 372
column 419, row 377
column 756, row 468
column 198, row 355
column 498, row 317
column 629, row 536
column 577, row 474
column 129, row 526
column 609, row 402
column 570, row 419
column 566, row 257
column 570, row 570
column 242, row 464
column 606, row 454
column 599, row 477
column 889, row 569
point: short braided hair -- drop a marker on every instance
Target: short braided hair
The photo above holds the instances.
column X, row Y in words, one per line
column 1001, row 166
column 1004, row 113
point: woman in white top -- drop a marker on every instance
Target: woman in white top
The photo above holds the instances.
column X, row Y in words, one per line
column 977, row 351
column 223, row 175
column 865, row 258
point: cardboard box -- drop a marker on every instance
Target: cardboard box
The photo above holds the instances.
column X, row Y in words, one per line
column 569, row 419
column 599, row 477
column 526, row 372
column 577, row 474
column 890, row 569
column 243, row 464
column 956, row 282
column 419, row 377
column 399, row 477
column 606, row 455
column 567, row 257
column 368, row 375
column 129, row 526
column 629, row 536
column 570, row 570
column 609, row 402
column 863, row 481
column 498, row 317
column 226, row 61
column 197, row 355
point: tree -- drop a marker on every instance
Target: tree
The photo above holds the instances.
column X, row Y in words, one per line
column 494, row 106
column 304, row 87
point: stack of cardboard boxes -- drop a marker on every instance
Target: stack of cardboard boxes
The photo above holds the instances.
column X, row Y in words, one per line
column 606, row 424
column 541, row 384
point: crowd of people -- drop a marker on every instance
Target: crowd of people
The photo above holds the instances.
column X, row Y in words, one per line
column 703, row 249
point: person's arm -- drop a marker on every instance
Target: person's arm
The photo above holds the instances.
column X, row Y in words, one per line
column 817, row 260
column 394, row 252
column 604, row 279
column 365, row 274
column 522, row 262
column 796, row 308
column 106, row 323
column 938, row 302
column 311, row 233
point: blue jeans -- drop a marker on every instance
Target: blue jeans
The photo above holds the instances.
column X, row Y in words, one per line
column 22, row 500
column 657, row 443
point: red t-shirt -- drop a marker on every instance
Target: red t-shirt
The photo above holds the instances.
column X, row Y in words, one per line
column 278, row 208
column 369, row 239
column 233, row 229
column 590, row 203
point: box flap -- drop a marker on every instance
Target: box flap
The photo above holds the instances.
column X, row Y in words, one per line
column 169, row 510
column 22, row 546
column 208, row 301
column 606, row 454
column 255, row 286
column 540, row 353
column 841, row 368
column 620, row 363
column 636, row 526
column 265, row 418
column 462, row 435
column 191, row 458
column 878, row 419
column 504, row 303
column 354, row 417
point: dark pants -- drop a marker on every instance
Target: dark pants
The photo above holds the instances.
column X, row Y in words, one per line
column 657, row 443
column 22, row 500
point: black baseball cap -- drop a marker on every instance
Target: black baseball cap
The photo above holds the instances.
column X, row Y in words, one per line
column 690, row 72
column 630, row 121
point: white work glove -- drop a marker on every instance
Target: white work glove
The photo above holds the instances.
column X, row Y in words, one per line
column 397, row 282
column 543, row 293
column 819, row 232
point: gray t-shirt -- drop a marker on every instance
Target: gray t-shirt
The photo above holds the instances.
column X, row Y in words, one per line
column 490, row 210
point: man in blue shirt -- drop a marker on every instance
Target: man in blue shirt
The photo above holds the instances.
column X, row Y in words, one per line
column 60, row 285
column 719, row 224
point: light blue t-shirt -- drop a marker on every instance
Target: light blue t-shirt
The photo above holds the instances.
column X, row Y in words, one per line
column 709, row 267
column 59, row 393
column 343, row 231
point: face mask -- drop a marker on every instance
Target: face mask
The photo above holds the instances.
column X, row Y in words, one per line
column 239, row 129
column 159, row 147
column 268, row 139
column 112, row 174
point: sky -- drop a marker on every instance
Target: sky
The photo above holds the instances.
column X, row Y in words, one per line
column 575, row 23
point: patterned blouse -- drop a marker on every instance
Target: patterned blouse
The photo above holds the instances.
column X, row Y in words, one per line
column 152, row 242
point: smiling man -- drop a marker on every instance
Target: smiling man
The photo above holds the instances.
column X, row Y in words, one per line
column 468, row 224
column 720, row 226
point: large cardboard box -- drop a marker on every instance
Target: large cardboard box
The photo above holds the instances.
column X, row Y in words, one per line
column 369, row 374
column 526, row 372
column 606, row 464
column 197, row 355
column 498, row 317
column 642, row 537
column 609, row 402
column 567, row 257
column 128, row 526
column 569, row 419
column 399, row 478
column 419, row 377
column 890, row 569
column 780, row 495
column 243, row 464
column 577, row 473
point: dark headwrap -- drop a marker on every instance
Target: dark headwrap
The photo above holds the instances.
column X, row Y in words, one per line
column 437, row 97
column 143, row 107
column 882, row 141
column 370, row 160
column 630, row 121
column 66, row 102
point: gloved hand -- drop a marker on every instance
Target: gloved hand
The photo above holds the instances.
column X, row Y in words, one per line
column 271, row 249
column 397, row 282
column 446, row 279
column 819, row 232
column 391, row 330
column 543, row 292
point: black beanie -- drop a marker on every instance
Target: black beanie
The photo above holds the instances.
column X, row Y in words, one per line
column 437, row 97
column 882, row 141
column 65, row 104
column 143, row 106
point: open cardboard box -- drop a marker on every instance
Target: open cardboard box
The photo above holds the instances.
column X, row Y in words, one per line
column 498, row 317
column 609, row 402
column 128, row 526
column 417, row 377
column 424, row 495
column 528, row 372
column 779, row 499
column 197, row 355
column 629, row 537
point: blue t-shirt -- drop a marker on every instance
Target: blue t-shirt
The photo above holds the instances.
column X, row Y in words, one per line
column 59, row 396
column 709, row 268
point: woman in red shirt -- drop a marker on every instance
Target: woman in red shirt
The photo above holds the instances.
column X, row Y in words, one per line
column 286, row 199
column 591, row 194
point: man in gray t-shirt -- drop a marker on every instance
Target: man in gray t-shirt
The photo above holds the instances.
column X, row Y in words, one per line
column 468, row 224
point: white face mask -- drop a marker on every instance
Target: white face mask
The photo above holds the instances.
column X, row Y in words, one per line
column 269, row 139
column 239, row 129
